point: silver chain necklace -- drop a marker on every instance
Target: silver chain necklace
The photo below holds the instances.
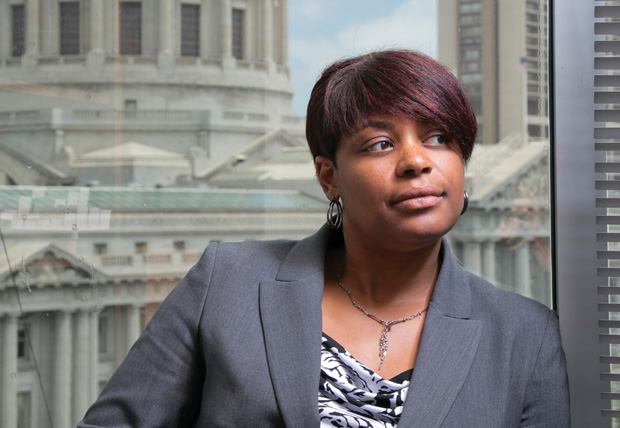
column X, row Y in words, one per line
column 387, row 325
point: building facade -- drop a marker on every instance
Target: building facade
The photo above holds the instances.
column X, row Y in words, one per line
column 499, row 51
column 84, row 270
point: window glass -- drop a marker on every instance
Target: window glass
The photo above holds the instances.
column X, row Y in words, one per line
column 130, row 37
column 238, row 18
column 18, row 30
column 190, row 30
column 135, row 133
column 69, row 28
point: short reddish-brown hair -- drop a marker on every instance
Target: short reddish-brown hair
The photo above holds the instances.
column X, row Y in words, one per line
column 399, row 83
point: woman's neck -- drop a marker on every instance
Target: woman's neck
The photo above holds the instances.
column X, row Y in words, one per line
column 378, row 276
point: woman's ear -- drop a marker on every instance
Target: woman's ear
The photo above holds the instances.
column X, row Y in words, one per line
column 326, row 173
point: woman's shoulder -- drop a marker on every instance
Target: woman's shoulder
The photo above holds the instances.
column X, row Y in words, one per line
column 252, row 249
column 506, row 309
column 245, row 255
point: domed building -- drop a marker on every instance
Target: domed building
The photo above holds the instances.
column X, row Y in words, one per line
column 200, row 79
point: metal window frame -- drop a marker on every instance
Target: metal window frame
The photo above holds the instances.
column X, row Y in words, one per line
column 574, row 206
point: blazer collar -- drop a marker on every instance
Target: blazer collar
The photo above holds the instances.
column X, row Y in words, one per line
column 449, row 343
column 292, row 328
column 452, row 293
column 306, row 257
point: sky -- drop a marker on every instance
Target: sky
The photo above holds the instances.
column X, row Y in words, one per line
column 322, row 31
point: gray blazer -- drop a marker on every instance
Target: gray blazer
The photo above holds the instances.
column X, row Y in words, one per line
column 237, row 344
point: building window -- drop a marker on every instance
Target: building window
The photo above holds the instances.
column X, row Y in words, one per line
column 470, row 19
column 100, row 248
column 190, row 30
column 534, row 131
column 69, row 28
column 238, row 18
column 471, row 78
column 140, row 248
column 131, row 105
column 102, row 337
column 22, row 344
column 130, row 28
column 531, row 6
column 24, row 410
column 18, row 30
column 470, row 7
column 471, row 31
column 533, row 107
column 471, row 53
column 476, row 103
column 179, row 245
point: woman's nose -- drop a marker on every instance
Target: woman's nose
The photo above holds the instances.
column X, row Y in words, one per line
column 413, row 159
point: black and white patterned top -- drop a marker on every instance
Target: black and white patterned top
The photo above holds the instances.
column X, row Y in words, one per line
column 352, row 395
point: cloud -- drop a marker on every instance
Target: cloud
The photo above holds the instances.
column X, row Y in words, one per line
column 410, row 24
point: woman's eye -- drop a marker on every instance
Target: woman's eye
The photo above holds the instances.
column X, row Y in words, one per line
column 380, row 146
column 438, row 140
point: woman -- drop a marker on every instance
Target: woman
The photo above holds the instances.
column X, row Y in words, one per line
column 369, row 322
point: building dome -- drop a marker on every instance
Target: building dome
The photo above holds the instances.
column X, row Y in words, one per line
column 164, row 54
column 201, row 78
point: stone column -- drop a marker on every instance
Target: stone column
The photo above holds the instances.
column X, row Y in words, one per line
column 5, row 29
column 8, row 372
column 522, row 270
column 283, row 42
column 133, row 325
column 267, row 30
column 95, row 58
column 59, row 142
column 205, row 39
column 166, row 36
column 472, row 257
column 80, row 366
column 93, row 361
column 226, row 34
column 488, row 261
column 61, row 406
column 32, row 31
column 49, row 28
column 204, row 141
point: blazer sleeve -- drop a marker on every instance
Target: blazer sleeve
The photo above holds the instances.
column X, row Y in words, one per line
column 547, row 400
column 159, row 383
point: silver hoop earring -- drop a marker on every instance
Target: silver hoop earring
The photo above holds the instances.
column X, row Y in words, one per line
column 334, row 214
column 465, row 202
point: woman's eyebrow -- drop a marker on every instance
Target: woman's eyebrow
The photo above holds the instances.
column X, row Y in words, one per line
column 378, row 124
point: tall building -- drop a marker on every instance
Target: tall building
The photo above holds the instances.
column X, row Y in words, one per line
column 200, row 79
column 499, row 51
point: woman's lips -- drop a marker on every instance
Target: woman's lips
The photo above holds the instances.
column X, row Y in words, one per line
column 418, row 198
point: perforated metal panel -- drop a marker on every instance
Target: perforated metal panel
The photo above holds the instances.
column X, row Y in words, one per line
column 586, row 111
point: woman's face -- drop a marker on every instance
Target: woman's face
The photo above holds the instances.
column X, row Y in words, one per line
column 401, row 182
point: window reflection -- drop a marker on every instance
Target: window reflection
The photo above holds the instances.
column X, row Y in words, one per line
column 130, row 37
column 18, row 30
column 133, row 133
column 190, row 29
column 69, row 28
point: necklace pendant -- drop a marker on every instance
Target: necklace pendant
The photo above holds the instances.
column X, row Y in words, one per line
column 383, row 347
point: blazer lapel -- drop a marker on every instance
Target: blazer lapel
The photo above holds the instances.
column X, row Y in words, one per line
column 447, row 349
column 446, row 354
column 291, row 318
